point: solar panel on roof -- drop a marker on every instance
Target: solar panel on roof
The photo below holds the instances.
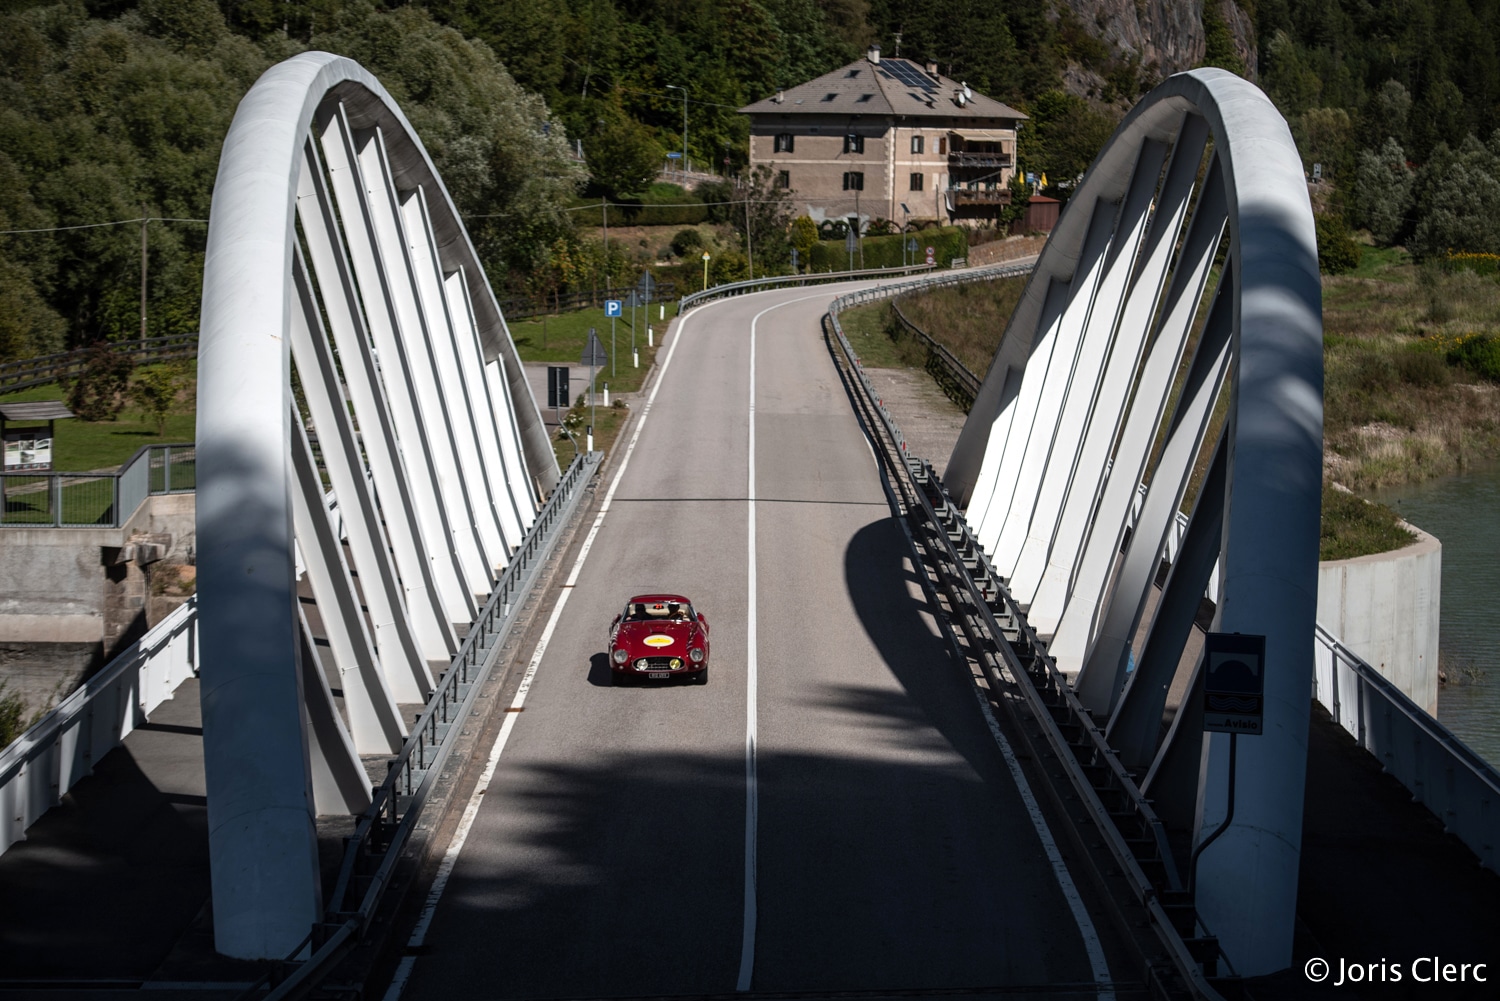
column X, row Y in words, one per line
column 907, row 74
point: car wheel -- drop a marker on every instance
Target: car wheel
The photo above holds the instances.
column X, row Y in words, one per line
column 701, row 678
column 618, row 680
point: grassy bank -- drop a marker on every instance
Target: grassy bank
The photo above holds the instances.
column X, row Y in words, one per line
column 1410, row 390
column 82, row 446
column 1411, row 384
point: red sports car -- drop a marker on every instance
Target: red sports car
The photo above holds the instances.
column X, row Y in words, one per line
column 659, row 636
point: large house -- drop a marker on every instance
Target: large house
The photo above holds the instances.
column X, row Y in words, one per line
column 887, row 138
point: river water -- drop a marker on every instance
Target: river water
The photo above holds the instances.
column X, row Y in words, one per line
column 1464, row 513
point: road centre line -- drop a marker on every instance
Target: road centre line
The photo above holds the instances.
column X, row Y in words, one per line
column 752, row 685
column 471, row 810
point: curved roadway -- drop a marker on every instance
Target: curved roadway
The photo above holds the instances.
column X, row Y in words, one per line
column 832, row 812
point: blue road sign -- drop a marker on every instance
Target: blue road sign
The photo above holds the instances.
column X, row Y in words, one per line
column 612, row 307
column 674, row 156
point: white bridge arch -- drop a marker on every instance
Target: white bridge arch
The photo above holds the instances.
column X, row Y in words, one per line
column 1107, row 344
column 335, row 253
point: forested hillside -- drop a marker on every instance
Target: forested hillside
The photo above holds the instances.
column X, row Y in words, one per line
column 114, row 110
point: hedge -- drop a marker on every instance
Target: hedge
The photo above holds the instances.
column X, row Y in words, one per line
column 947, row 243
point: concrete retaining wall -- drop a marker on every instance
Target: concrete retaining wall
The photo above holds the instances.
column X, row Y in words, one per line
column 71, row 597
column 1385, row 609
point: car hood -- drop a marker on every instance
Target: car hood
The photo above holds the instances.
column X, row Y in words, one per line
column 656, row 639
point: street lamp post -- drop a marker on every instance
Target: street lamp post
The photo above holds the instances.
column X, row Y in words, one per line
column 673, row 86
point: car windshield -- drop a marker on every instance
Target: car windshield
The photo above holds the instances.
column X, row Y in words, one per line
column 658, row 611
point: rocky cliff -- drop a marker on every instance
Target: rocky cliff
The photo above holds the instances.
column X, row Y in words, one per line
column 1165, row 34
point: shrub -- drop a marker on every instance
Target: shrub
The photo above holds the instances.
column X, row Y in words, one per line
column 154, row 391
column 1355, row 527
column 1477, row 353
column 686, row 241
column 885, row 251
column 1337, row 251
column 12, row 717
column 98, row 392
column 1424, row 368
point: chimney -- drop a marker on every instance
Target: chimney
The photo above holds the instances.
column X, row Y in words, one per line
column 780, row 96
column 874, row 54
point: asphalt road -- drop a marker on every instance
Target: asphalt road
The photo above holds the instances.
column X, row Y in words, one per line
column 832, row 812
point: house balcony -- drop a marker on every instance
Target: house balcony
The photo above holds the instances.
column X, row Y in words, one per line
column 981, row 197
column 966, row 159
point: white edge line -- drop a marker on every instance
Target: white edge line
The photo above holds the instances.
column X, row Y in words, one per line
column 471, row 810
column 1098, row 964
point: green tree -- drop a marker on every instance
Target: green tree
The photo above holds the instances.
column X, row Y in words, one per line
column 98, row 392
column 804, row 237
column 1382, row 196
column 623, row 157
column 1458, row 200
column 155, row 391
column 765, row 212
column 1337, row 251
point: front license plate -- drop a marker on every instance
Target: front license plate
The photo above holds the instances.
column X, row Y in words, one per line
column 659, row 674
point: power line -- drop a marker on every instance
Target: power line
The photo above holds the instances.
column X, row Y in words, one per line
column 98, row 225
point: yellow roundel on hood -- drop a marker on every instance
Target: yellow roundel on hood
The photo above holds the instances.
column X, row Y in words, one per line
column 658, row 639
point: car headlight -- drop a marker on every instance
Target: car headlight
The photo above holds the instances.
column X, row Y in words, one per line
column 696, row 653
column 676, row 662
column 621, row 656
column 641, row 664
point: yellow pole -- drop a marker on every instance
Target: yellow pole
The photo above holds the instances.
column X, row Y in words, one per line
column 705, row 271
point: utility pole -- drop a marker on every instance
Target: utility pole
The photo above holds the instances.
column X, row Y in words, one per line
column 604, row 211
column 749, row 254
column 143, row 270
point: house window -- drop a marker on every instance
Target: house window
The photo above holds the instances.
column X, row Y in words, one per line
column 916, row 182
column 852, row 73
column 784, row 142
column 854, row 144
column 942, row 145
column 854, row 180
column 916, row 145
column 829, row 97
column 863, row 98
column 783, row 179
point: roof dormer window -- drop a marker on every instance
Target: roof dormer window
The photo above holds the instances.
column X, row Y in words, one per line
column 852, row 74
column 829, row 97
column 864, row 97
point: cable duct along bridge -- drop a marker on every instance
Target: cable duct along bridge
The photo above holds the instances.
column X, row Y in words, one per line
column 352, row 355
column 1170, row 334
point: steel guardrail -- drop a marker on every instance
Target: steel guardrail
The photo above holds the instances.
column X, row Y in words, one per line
column 987, row 596
column 779, row 281
column 373, row 850
column 1442, row 772
column 65, row 744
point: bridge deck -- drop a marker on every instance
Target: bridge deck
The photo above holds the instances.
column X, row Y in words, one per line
column 110, row 890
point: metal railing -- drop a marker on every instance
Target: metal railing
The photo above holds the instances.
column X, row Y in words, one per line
column 687, row 302
column 64, row 745
column 50, row 368
column 1008, row 646
column 94, row 499
column 383, row 831
column 957, row 381
column 1443, row 774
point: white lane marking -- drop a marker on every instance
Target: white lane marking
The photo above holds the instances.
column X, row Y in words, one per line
column 1086, row 929
column 752, row 686
column 471, row 811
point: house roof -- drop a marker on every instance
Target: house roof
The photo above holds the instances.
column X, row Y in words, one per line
column 46, row 411
column 887, row 87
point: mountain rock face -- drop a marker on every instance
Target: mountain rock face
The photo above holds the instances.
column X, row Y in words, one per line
column 1166, row 33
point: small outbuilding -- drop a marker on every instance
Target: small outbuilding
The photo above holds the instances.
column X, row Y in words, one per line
column 27, row 430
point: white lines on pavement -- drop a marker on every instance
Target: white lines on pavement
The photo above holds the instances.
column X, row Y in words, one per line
column 471, row 810
column 1086, row 929
column 752, row 685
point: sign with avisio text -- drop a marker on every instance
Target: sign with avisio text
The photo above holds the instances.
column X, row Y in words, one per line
column 1234, row 683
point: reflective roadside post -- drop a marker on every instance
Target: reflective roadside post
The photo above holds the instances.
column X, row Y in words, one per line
column 705, row 271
